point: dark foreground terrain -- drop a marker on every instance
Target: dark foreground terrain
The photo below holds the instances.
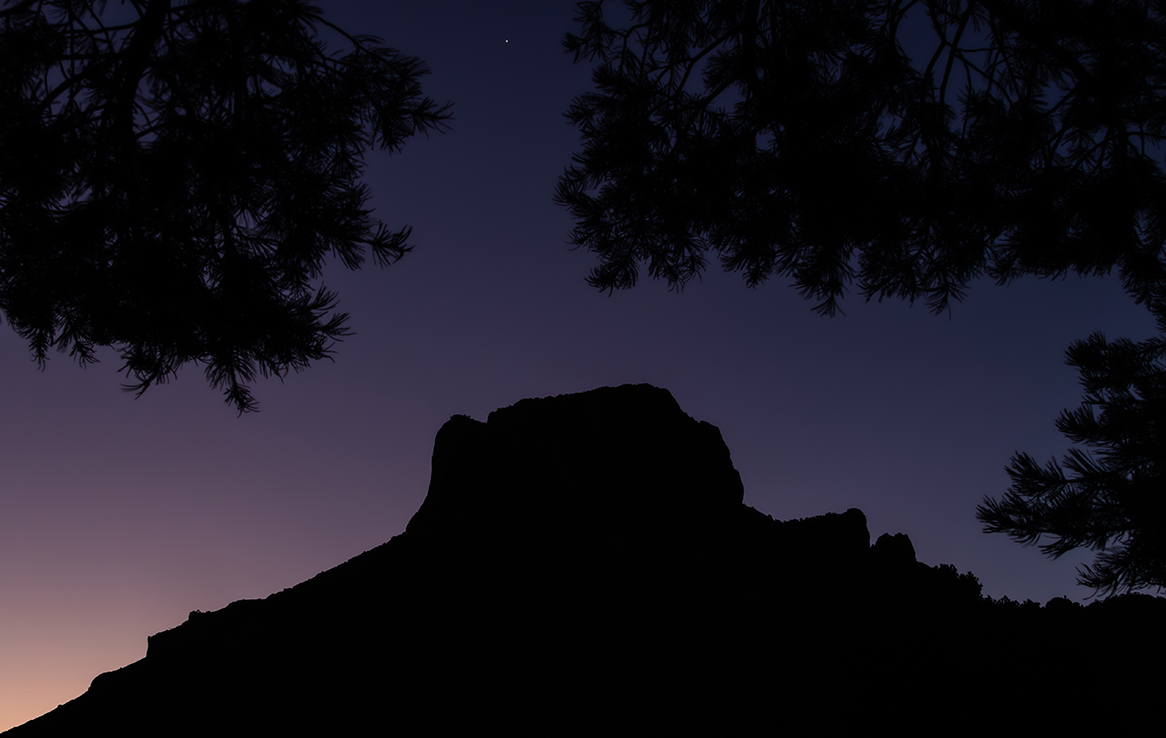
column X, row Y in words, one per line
column 584, row 565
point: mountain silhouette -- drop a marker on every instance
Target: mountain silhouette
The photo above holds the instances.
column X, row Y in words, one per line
column 584, row 565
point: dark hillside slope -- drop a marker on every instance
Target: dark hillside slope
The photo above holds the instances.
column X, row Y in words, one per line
column 584, row 565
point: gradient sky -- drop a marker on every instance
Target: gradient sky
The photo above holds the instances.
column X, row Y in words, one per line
column 120, row 516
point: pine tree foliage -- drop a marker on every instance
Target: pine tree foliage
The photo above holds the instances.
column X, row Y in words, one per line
column 1113, row 499
column 174, row 175
column 903, row 146
column 906, row 148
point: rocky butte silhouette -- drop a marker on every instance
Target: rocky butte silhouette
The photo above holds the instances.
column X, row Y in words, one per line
column 584, row 565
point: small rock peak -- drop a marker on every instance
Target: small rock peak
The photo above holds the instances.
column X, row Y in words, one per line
column 894, row 549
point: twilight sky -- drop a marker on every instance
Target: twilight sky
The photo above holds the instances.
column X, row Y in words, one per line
column 120, row 516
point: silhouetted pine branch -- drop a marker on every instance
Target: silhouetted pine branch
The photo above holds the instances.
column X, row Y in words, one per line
column 173, row 177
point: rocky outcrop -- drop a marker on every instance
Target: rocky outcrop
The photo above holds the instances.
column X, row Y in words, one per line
column 893, row 549
column 584, row 565
column 616, row 466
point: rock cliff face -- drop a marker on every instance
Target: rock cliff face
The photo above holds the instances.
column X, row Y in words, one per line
column 614, row 466
column 584, row 565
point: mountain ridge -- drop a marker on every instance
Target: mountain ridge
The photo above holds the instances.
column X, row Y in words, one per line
column 586, row 564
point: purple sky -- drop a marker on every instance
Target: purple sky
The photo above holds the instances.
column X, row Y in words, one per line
column 119, row 517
